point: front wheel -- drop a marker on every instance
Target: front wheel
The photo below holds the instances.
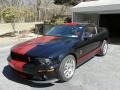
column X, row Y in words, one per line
column 104, row 48
column 67, row 68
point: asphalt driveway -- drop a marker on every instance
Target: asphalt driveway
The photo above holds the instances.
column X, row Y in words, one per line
column 100, row 73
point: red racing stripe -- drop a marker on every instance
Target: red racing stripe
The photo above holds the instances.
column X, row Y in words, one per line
column 45, row 39
column 88, row 55
column 17, row 65
column 25, row 47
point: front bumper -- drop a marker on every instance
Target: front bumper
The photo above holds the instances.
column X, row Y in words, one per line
column 33, row 72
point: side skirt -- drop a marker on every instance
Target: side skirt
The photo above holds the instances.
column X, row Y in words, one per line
column 87, row 57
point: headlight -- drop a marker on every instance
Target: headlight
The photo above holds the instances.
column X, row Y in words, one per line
column 47, row 60
column 43, row 60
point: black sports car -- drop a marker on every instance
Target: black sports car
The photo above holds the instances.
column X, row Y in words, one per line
column 57, row 54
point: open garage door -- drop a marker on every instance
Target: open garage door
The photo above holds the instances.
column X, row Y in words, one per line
column 112, row 23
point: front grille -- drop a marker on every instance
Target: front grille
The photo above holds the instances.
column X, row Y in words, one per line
column 20, row 57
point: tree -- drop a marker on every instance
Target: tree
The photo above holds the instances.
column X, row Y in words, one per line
column 17, row 3
column 38, row 9
column 28, row 14
column 46, row 10
column 4, row 2
column 9, row 14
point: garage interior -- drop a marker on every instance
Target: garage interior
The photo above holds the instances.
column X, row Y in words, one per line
column 112, row 23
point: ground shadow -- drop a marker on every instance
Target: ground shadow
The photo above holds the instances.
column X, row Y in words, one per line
column 11, row 34
column 9, row 74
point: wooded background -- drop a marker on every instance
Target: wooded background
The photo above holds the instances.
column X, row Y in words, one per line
column 34, row 10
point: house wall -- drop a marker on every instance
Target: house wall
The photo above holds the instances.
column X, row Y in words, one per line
column 80, row 17
column 86, row 18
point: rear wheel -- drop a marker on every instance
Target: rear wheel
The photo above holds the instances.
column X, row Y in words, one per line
column 104, row 48
column 67, row 68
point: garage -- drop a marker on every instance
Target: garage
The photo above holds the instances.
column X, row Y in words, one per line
column 104, row 13
column 112, row 23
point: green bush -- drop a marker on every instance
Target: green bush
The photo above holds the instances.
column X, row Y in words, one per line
column 9, row 14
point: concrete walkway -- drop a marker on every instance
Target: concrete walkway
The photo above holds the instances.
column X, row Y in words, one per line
column 7, row 27
column 7, row 41
column 100, row 73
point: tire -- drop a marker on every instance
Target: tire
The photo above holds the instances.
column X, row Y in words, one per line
column 67, row 68
column 104, row 48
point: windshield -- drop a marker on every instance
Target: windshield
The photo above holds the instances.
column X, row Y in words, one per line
column 67, row 31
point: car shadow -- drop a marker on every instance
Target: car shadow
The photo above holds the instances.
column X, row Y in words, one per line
column 9, row 74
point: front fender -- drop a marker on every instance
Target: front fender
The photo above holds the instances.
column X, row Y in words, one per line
column 62, row 55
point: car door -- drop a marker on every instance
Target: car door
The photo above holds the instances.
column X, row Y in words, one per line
column 92, row 41
column 87, row 44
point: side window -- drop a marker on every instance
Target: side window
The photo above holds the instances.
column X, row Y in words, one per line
column 91, row 30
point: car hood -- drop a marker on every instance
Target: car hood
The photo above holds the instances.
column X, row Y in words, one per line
column 44, row 46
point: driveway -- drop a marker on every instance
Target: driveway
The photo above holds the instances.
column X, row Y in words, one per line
column 100, row 73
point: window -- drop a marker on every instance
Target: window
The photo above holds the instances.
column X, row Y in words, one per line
column 67, row 31
column 91, row 30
